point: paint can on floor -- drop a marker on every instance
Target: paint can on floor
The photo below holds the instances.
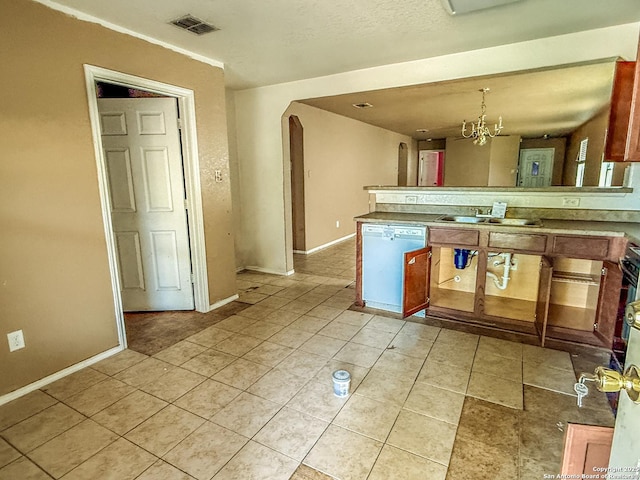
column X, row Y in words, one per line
column 341, row 381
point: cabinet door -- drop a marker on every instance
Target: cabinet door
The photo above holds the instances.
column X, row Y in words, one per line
column 621, row 98
column 417, row 265
column 544, row 291
column 632, row 150
column 606, row 313
column 586, row 448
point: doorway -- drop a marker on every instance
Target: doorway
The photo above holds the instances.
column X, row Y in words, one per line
column 431, row 168
column 193, row 200
column 141, row 148
column 535, row 168
column 296, row 151
column 403, row 165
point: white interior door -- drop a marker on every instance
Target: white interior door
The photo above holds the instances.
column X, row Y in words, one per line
column 535, row 167
column 625, row 450
column 142, row 153
column 430, row 168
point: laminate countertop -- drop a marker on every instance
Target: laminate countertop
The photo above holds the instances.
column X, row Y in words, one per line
column 572, row 227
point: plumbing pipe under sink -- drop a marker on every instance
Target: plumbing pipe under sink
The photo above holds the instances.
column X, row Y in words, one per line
column 501, row 283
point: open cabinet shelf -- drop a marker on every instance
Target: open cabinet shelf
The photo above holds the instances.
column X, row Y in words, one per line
column 576, row 277
column 514, row 308
column 450, row 287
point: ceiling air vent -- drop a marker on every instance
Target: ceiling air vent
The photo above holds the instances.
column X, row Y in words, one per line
column 362, row 105
column 193, row 25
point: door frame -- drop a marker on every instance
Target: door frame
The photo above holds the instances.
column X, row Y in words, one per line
column 191, row 169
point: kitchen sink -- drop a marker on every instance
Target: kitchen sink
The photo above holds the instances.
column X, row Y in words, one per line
column 460, row 219
column 524, row 222
column 510, row 222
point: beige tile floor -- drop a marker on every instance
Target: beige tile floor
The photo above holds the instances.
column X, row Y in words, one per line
column 251, row 398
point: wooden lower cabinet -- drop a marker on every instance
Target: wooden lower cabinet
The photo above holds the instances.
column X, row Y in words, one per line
column 559, row 298
column 545, row 291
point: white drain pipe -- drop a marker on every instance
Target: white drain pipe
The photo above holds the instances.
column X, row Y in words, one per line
column 506, row 263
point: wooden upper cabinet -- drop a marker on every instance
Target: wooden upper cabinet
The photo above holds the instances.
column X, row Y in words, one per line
column 621, row 98
column 632, row 151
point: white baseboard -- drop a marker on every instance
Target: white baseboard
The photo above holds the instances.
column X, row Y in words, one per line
column 58, row 375
column 267, row 270
column 223, row 302
column 326, row 245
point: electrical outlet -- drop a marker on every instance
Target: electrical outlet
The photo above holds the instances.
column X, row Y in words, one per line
column 570, row 202
column 411, row 199
column 218, row 175
column 16, row 340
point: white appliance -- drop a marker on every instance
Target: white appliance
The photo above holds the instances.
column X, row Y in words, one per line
column 383, row 249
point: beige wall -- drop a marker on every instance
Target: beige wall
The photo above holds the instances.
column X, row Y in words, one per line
column 54, row 276
column 594, row 130
column 503, row 162
column 341, row 156
column 466, row 164
column 494, row 164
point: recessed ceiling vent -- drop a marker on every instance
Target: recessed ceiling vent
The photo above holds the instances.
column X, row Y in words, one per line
column 362, row 105
column 193, row 25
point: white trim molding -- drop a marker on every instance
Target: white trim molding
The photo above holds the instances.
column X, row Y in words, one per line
column 270, row 271
column 326, row 245
column 223, row 302
column 58, row 375
column 191, row 165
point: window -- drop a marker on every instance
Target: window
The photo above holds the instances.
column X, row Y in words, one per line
column 606, row 174
column 581, row 159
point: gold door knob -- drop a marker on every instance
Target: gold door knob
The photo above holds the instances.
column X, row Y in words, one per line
column 608, row 380
column 632, row 314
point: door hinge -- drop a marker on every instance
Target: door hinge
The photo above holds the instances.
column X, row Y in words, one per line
column 186, row 204
column 193, row 278
column 604, row 271
column 595, row 326
column 428, row 301
column 429, row 254
column 179, row 123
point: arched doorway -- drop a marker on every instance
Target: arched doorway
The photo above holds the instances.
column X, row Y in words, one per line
column 296, row 152
column 403, row 164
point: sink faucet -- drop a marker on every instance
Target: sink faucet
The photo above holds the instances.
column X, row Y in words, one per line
column 483, row 215
column 499, row 209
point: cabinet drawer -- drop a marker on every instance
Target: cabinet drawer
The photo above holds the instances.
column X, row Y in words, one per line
column 581, row 247
column 518, row 241
column 453, row 236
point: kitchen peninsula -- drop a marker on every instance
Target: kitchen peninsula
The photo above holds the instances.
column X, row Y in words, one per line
column 549, row 273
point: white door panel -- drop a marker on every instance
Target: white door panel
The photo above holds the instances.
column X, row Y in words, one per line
column 144, row 166
column 625, row 450
column 536, row 167
column 120, row 180
column 130, row 260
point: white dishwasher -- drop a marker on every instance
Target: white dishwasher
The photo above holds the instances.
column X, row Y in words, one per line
column 383, row 249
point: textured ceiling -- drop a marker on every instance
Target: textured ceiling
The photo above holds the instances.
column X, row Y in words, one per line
column 532, row 104
column 263, row 42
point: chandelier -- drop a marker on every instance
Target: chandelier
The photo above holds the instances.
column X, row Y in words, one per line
column 479, row 131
